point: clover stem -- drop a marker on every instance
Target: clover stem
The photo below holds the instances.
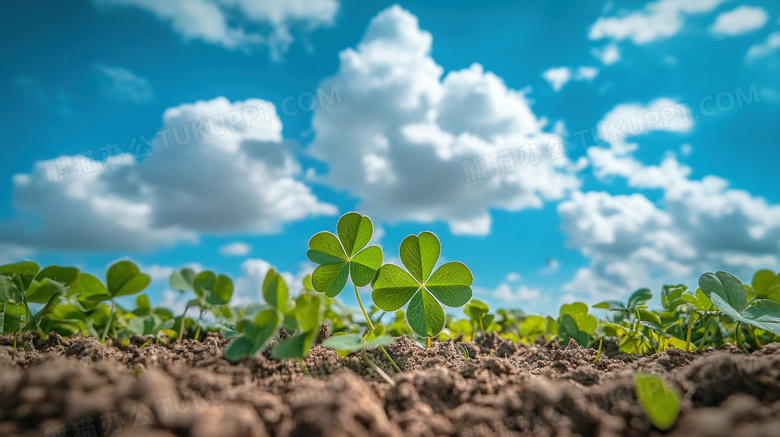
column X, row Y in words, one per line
column 377, row 369
column 598, row 354
column 181, row 328
column 303, row 367
column 739, row 342
column 688, row 336
column 429, row 342
column 371, row 327
column 108, row 325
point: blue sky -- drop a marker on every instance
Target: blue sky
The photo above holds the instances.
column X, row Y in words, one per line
column 563, row 151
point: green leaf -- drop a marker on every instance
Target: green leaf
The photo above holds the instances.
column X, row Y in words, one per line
column 11, row 315
column 364, row 265
column 450, row 284
column 660, row 401
column 355, row 232
column 393, row 288
column 25, row 270
column 182, row 279
column 476, row 309
column 419, row 254
column 324, row 248
column 308, row 309
column 90, row 290
column 238, row 348
column 764, row 314
column 353, row 342
column 424, row 314
column 532, row 326
column 330, row 278
column 295, row 347
column 275, row 290
column 691, row 299
column 612, row 305
column 123, row 279
column 62, row 275
column 725, row 291
column 763, row 280
column 639, row 297
column 42, row 292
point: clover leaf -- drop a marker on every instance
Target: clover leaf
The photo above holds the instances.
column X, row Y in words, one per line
column 345, row 256
column 728, row 294
column 421, row 287
column 354, row 342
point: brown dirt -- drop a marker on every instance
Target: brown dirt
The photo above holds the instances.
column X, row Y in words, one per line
column 80, row 388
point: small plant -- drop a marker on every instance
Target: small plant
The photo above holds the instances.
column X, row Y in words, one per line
column 308, row 312
column 24, row 283
column 257, row 332
column 122, row 279
column 419, row 286
column 660, row 401
column 575, row 322
column 478, row 313
column 730, row 296
column 346, row 257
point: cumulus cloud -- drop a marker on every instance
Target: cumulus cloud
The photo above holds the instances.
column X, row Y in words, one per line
column 657, row 20
column 557, row 77
column 401, row 137
column 121, row 84
column 225, row 22
column 743, row 19
column 248, row 286
column 216, row 168
column 239, row 248
column 762, row 49
column 698, row 225
column 607, row 55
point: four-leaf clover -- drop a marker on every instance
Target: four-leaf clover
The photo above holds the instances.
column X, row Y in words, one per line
column 421, row 287
column 344, row 257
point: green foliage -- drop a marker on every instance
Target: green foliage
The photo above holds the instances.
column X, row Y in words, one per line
column 257, row 332
column 423, row 289
column 660, row 401
column 729, row 295
column 344, row 257
column 575, row 322
column 309, row 314
column 354, row 342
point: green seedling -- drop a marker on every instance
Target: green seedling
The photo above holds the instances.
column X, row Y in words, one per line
column 257, row 332
column 660, row 401
column 122, row 279
column 346, row 257
column 212, row 294
column 24, row 283
column 308, row 311
column 730, row 296
column 478, row 313
column 575, row 322
column 636, row 315
column 144, row 320
column 419, row 286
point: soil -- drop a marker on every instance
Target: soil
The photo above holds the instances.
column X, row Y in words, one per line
column 80, row 388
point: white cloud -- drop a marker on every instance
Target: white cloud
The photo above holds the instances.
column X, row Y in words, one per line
column 399, row 140
column 762, row 49
column 586, row 73
column 512, row 277
column 121, row 84
column 657, row 20
column 221, row 171
column 635, row 119
column 557, row 77
column 743, row 19
column 701, row 225
column 686, row 149
column 608, row 55
column 238, row 248
column 225, row 22
column 158, row 272
column 552, row 266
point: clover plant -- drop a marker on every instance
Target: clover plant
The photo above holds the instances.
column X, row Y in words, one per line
column 24, row 283
column 420, row 286
column 122, row 279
